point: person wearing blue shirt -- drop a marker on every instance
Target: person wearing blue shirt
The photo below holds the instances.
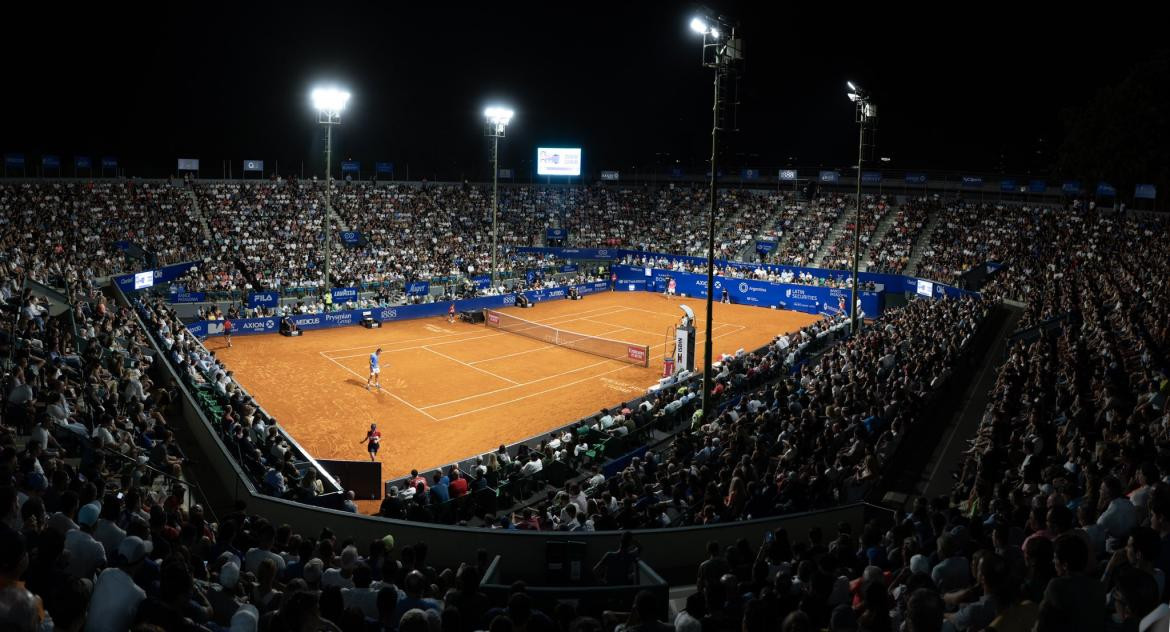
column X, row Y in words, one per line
column 439, row 489
column 375, row 370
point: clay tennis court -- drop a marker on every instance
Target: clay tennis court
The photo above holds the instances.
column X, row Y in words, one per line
column 451, row 391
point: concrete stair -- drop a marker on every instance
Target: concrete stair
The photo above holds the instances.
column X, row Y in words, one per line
column 879, row 233
column 835, row 232
column 921, row 243
column 197, row 211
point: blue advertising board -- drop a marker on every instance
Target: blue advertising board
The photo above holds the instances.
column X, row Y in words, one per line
column 351, row 237
column 162, row 275
column 830, row 177
column 915, row 178
column 972, row 182
column 803, row 298
column 187, row 297
column 1008, row 186
column 871, row 177
column 418, row 288
column 556, row 233
column 263, row 299
column 573, row 253
column 343, row 294
column 1145, row 191
column 245, row 326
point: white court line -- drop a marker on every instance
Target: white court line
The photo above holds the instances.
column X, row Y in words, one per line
column 546, row 347
column 462, row 340
column 555, row 388
column 498, row 377
column 508, row 388
column 549, row 377
column 374, row 344
column 383, row 390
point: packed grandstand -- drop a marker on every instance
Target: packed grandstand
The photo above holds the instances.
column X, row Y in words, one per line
column 1055, row 511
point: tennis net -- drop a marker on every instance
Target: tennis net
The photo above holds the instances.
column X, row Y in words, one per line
column 604, row 347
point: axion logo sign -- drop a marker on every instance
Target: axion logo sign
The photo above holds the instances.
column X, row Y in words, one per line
column 252, row 325
column 636, row 353
column 389, row 314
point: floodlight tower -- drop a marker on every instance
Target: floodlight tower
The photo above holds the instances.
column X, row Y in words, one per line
column 866, row 111
column 329, row 102
column 721, row 50
column 496, row 120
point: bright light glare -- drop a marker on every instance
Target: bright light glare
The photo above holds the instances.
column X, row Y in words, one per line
column 330, row 100
column 852, row 87
column 498, row 115
column 698, row 25
column 853, row 96
column 714, row 32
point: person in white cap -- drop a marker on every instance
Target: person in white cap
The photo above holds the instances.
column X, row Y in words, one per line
column 224, row 596
column 246, row 619
column 115, row 595
column 86, row 554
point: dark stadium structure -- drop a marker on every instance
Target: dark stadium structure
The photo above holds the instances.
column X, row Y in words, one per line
column 986, row 448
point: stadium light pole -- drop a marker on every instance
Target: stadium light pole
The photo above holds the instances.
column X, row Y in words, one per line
column 497, row 119
column 865, row 111
column 329, row 103
column 720, row 50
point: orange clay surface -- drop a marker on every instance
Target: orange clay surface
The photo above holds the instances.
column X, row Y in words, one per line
column 455, row 390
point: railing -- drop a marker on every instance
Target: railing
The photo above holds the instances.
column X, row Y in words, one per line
column 190, row 486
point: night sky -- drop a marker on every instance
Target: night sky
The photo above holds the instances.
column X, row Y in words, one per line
column 970, row 91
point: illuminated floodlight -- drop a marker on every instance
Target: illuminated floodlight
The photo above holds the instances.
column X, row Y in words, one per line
column 699, row 26
column 498, row 115
column 852, row 88
column 330, row 101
